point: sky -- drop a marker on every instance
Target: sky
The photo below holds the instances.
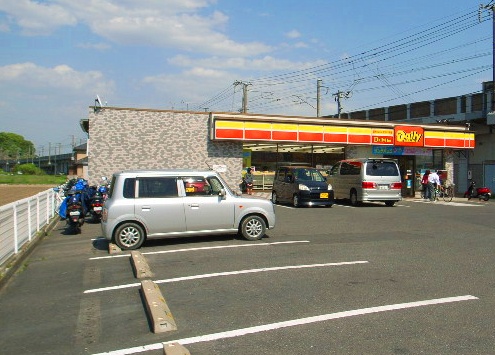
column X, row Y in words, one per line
column 57, row 56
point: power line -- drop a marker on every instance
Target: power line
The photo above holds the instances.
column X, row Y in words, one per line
column 300, row 83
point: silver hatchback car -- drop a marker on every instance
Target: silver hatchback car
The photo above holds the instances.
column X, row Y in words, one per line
column 146, row 204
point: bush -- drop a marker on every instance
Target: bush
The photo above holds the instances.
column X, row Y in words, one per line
column 27, row 169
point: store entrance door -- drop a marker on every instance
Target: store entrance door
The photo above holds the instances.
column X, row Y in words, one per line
column 407, row 169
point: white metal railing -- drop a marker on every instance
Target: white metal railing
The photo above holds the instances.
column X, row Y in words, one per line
column 20, row 221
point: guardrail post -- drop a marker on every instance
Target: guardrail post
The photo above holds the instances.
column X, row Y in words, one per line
column 47, row 208
column 16, row 248
column 30, row 228
column 37, row 213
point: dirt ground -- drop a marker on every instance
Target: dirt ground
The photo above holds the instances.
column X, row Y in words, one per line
column 11, row 193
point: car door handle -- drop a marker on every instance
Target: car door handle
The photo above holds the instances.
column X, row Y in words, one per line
column 145, row 208
column 194, row 205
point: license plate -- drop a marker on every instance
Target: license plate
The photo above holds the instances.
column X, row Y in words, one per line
column 323, row 194
column 383, row 187
column 97, row 208
column 189, row 189
column 74, row 213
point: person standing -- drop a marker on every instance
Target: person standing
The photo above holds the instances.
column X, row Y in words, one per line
column 424, row 185
column 433, row 182
column 248, row 179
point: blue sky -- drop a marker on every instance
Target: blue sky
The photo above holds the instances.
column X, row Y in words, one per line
column 57, row 55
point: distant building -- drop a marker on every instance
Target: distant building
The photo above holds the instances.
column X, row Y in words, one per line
column 79, row 166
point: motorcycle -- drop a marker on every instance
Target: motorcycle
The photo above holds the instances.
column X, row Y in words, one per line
column 96, row 203
column 75, row 206
column 483, row 193
column 75, row 211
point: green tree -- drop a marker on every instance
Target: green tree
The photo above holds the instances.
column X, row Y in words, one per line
column 13, row 146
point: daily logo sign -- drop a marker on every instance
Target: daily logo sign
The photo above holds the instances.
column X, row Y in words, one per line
column 408, row 136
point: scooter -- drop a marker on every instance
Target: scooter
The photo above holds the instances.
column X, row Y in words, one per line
column 96, row 205
column 74, row 207
column 75, row 211
column 483, row 193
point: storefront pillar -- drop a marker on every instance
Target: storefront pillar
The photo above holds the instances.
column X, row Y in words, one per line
column 448, row 156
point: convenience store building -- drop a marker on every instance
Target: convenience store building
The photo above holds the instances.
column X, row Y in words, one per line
column 130, row 138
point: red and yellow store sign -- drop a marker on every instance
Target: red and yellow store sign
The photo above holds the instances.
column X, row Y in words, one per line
column 302, row 131
column 409, row 136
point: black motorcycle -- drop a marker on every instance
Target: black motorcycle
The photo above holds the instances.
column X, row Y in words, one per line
column 96, row 206
column 76, row 211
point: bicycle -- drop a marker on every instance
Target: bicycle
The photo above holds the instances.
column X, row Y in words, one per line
column 446, row 192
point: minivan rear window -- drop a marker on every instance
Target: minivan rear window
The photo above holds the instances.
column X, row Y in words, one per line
column 381, row 168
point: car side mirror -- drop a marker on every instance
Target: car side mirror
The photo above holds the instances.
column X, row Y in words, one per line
column 222, row 193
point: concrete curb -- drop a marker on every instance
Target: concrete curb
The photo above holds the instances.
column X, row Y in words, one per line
column 175, row 349
column 140, row 266
column 113, row 249
column 158, row 311
column 13, row 264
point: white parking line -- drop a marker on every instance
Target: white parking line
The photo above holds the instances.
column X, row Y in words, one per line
column 457, row 204
column 201, row 248
column 227, row 273
column 292, row 323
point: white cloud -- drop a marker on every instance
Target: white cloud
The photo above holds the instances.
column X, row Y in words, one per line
column 300, row 45
column 30, row 78
column 293, row 34
column 176, row 24
column 98, row 46
column 266, row 63
column 36, row 18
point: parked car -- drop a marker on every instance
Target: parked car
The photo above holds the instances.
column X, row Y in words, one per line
column 366, row 179
column 176, row 203
column 301, row 186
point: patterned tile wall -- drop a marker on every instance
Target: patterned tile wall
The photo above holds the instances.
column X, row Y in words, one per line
column 123, row 139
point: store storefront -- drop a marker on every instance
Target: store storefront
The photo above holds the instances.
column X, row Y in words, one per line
column 272, row 141
column 129, row 138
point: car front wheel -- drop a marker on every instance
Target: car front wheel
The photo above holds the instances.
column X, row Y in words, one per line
column 253, row 228
column 129, row 236
column 295, row 201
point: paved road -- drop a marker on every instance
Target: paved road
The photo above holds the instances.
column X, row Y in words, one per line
column 415, row 278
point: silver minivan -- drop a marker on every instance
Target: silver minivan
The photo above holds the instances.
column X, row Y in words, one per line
column 146, row 204
column 366, row 180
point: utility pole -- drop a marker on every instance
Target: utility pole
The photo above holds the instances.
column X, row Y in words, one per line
column 339, row 95
column 492, row 8
column 244, row 94
column 318, row 97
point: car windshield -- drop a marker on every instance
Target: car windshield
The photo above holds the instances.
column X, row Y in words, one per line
column 309, row 175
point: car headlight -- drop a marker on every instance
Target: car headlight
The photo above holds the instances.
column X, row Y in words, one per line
column 303, row 187
column 330, row 187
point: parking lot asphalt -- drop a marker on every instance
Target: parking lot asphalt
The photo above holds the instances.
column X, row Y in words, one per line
column 54, row 305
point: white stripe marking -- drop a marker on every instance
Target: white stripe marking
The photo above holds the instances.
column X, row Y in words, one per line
column 202, row 248
column 457, row 204
column 292, row 323
column 227, row 273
